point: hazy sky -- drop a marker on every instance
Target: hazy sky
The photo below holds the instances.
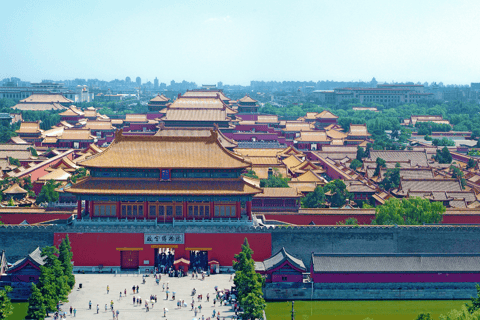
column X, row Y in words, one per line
column 237, row 41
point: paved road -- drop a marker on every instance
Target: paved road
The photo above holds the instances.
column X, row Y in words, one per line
column 94, row 289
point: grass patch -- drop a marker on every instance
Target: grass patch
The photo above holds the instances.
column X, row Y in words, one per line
column 19, row 311
column 359, row 310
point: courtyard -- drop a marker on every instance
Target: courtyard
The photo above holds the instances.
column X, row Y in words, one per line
column 94, row 289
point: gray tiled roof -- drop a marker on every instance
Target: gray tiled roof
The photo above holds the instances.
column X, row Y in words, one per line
column 260, row 145
column 277, row 260
column 395, row 263
column 35, row 257
column 416, row 157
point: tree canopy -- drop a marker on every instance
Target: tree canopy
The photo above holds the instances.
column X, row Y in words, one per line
column 408, row 211
column 391, row 180
column 48, row 193
column 276, row 180
column 443, row 156
column 335, row 193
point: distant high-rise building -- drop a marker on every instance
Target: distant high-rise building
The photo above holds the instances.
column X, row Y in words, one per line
column 220, row 85
column 138, row 81
column 128, row 80
column 155, row 83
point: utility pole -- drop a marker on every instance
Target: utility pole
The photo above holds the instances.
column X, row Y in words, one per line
column 293, row 311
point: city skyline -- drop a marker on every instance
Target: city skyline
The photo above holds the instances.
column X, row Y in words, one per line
column 239, row 42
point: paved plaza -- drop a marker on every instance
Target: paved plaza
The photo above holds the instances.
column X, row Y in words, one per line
column 94, row 288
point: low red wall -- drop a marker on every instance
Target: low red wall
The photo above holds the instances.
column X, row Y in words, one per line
column 16, row 218
column 332, row 219
column 93, row 249
column 394, row 277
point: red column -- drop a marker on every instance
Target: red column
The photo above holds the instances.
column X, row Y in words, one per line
column 91, row 209
column 249, row 209
column 145, row 214
column 185, row 209
column 212, row 208
column 238, row 209
column 119, row 210
column 79, row 209
column 87, row 208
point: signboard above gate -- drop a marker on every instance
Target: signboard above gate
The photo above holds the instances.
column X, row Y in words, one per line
column 164, row 238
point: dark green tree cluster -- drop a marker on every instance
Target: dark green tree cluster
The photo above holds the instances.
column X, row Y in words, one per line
column 55, row 282
column 458, row 174
column 48, row 193
column 408, row 211
column 6, row 307
column 251, row 174
column 334, row 193
column 426, row 128
column 444, row 142
column 14, row 161
column 78, row 174
column 48, row 118
column 443, row 156
column 348, row 222
column 391, row 180
column 276, row 180
column 248, row 284
column 471, row 164
column 380, row 164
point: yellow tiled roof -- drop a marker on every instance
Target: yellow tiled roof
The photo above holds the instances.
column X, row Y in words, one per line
column 72, row 111
column 309, row 176
column 131, row 186
column 358, row 130
column 15, row 189
column 246, row 152
column 196, row 115
column 247, row 98
column 291, row 161
column 29, row 127
column 47, row 98
column 267, row 118
column 313, row 136
column 136, row 117
column 279, row 193
column 159, row 98
column 334, row 134
column 325, row 114
column 76, row 134
column 57, row 175
column 165, row 152
column 99, row 125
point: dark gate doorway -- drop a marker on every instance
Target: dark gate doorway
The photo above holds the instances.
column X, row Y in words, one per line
column 164, row 258
column 129, row 259
column 199, row 260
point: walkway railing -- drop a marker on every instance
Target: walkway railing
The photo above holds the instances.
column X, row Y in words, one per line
column 146, row 222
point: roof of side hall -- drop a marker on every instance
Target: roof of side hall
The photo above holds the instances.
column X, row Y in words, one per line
column 166, row 152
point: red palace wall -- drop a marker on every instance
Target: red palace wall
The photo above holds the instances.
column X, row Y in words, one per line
column 394, row 277
column 332, row 219
column 93, row 249
column 16, row 218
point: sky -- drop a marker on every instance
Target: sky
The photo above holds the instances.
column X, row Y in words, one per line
column 239, row 41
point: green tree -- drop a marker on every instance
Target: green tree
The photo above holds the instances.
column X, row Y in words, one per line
column 424, row 316
column 48, row 288
column 458, row 174
column 276, row 180
column 65, row 256
column 475, row 301
column 78, row 174
column 391, row 180
column 410, row 211
column 348, row 222
column 251, row 174
column 48, row 193
column 337, row 193
column 6, row 307
column 380, row 164
column 462, row 314
column 355, row 164
column 248, row 283
column 360, row 154
column 14, row 161
column 36, row 306
column 33, row 151
column 443, row 156
column 471, row 164
column 428, row 138
column 315, row 199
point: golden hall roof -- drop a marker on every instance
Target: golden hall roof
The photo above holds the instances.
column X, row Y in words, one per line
column 195, row 132
column 151, row 186
column 99, row 125
column 256, row 152
column 160, row 98
column 279, row 193
column 325, row 114
column 76, row 134
column 72, row 111
column 313, row 136
column 29, row 127
column 358, row 130
column 196, row 115
column 267, row 118
column 58, row 175
column 247, row 99
column 130, row 117
column 46, row 98
column 15, row 189
column 196, row 102
column 166, row 152
column 206, row 94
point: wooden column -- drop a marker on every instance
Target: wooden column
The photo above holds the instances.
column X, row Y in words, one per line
column 87, row 208
column 249, row 209
column 238, row 209
column 212, row 209
column 185, row 209
column 145, row 209
column 119, row 209
column 91, row 208
column 79, row 209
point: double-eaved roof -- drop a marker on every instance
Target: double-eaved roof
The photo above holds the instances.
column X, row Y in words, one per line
column 166, row 152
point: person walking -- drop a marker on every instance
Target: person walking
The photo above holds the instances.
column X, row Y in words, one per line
column 164, row 312
column 98, row 308
column 208, row 297
column 137, row 288
column 125, row 292
column 74, row 312
column 118, row 312
column 134, row 300
column 90, row 305
column 71, row 310
column 108, row 289
column 106, row 307
column 163, row 286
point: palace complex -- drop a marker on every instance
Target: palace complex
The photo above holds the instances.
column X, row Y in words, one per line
column 184, row 184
